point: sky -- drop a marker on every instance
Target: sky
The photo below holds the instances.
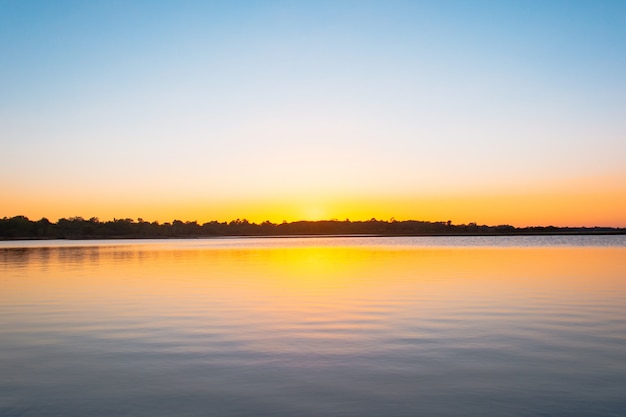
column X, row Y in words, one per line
column 495, row 112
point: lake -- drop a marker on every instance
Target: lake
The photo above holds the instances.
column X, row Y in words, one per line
column 345, row 326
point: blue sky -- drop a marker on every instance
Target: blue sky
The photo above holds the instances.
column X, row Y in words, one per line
column 245, row 100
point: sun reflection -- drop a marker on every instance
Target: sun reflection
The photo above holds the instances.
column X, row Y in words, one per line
column 300, row 280
column 324, row 299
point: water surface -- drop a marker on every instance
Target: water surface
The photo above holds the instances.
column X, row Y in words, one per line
column 482, row 326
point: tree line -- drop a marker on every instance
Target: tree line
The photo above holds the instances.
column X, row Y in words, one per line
column 21, row 227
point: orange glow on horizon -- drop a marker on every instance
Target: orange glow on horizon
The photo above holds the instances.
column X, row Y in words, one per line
column 574, row 203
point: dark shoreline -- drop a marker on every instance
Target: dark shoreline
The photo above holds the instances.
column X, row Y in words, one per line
column 295, row 236
column 77, row 228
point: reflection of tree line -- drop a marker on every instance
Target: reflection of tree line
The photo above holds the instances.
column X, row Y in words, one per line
column 45, row 256
column 77, row 227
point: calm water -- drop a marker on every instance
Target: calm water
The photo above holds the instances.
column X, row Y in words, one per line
column 522, row 326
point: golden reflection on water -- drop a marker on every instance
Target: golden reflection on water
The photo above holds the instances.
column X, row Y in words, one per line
column 305, row 281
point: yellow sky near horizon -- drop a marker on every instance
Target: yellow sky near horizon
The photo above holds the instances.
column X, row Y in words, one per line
column 572, row 203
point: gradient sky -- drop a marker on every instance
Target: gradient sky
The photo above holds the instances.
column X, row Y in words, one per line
column 493, row 112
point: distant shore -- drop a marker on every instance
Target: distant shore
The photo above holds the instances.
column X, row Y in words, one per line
column 77, row 228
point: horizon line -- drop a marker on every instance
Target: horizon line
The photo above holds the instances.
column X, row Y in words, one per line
column 95, row 219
